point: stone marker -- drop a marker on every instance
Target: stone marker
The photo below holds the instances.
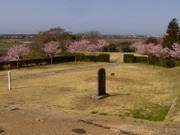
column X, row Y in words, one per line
column 101, row 85
column 79, row 131
column 9, row 80
column 101, row 82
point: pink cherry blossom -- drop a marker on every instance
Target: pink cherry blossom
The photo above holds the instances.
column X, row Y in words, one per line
column 175, row 53
column 87, row 46
column 52, row 48
column 17, row 51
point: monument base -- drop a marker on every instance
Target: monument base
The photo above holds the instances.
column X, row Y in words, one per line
column 100, row 97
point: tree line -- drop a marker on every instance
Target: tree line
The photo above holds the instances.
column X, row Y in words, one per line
column 57, row 40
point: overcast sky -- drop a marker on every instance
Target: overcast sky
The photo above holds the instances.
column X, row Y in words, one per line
column 145, row 17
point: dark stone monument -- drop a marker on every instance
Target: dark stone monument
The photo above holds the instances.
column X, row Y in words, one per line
column 101, row 86
column 101, row 82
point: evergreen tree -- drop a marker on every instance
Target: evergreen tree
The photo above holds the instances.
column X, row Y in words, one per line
column 172, row 35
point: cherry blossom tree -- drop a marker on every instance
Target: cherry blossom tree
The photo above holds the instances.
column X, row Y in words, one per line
column 151, row 49
column 1, row 58
column 16, row 52
column 78, row 46
column 5, row 58
column 51, row 49
column 145, row 49
column 102, row 43
column 175, row 52
column 87, row 46
column 160, row 52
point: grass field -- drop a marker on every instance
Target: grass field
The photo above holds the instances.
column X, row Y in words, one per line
column 131, row 40
column 7, row 43
column 136, row 90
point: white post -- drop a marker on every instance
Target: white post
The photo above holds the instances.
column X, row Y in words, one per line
column 9, row 80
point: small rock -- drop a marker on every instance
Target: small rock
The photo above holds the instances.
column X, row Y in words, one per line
column 79, row 131
column 39, row 119
column 1, row 130
column 14, row 109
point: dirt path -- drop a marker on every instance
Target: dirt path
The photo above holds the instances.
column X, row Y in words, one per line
column 47, row 73
column 44, row 122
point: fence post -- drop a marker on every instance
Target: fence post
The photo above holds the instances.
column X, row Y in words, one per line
column 9, row 80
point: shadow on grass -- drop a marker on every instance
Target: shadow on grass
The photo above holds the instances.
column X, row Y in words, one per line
column 14, row 88
column 125, row 94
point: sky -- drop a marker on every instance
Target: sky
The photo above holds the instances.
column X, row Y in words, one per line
column 124, row 17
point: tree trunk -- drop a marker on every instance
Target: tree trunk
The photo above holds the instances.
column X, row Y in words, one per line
column 17, row 61
column 51, row 60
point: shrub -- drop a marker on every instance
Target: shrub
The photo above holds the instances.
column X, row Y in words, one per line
column 64, row 59
column 32, row 62
column 177, row 63
column 104, row 58
column 125, row 47
column 129, row 58
column 168, row 63
column 152, row 40
column 97, row 58
column 141, row 59
column 110, row 48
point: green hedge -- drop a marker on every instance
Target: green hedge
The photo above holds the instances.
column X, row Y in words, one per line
column 59, row 59
column 177, row 63
column 95, row 58
column 33, row 62
column 64, row 59
column 140, row 59
column 130, row 58
column 168, row 63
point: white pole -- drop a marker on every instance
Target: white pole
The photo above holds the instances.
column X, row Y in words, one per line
column 9, row 80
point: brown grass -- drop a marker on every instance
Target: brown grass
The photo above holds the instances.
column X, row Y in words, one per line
column 69, row 87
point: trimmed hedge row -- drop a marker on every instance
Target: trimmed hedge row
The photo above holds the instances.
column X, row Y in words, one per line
column 34, row 62
column 95, row 58
column 130, row 58
column 59, row 59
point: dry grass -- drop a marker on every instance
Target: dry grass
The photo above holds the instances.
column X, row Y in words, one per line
column 69, row 87
column 132, row 40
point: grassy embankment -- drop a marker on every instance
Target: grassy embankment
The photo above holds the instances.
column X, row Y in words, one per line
column 137, row 90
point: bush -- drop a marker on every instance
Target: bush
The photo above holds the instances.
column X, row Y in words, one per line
column 177, row 63
column 141, row 59
column 125, row 47
column 33, row 62
column 79, row 57
column 64, row 59
column 153, row 40
column 129, row 58
column 168, row 63
column 155, row 61
column 13, row 64
column 96, row 58
column 104, row 58
column 110, row 48
column 1, row 65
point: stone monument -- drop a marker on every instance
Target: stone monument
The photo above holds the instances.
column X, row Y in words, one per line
column 101, row 85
